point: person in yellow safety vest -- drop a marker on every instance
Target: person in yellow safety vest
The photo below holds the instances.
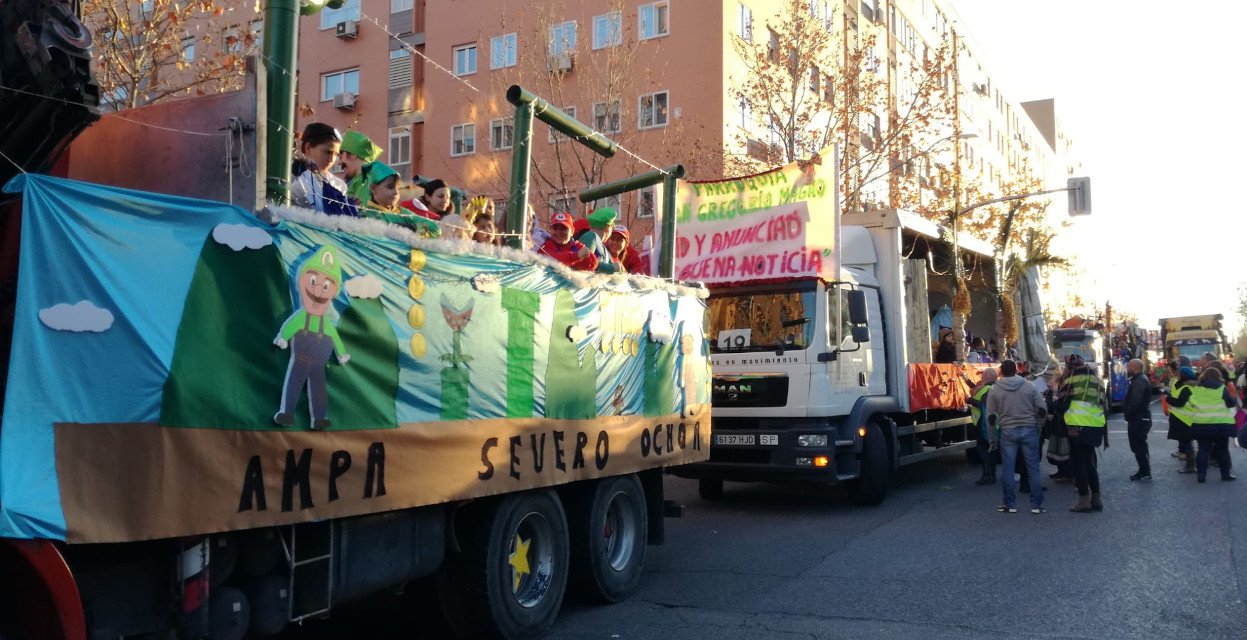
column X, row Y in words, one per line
column 1080, row 403
column 1180, row 419
column 987, row 436
column 1210, row 407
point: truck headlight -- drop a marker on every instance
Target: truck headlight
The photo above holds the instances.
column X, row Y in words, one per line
column 812, row 440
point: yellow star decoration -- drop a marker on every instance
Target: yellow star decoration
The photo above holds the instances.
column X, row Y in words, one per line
column 519, row 562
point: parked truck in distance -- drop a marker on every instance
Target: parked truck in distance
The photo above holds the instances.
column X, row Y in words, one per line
column 1090, row 345
column 1193, row 336
column 827, row 377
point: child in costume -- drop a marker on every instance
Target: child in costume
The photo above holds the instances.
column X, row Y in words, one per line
column 357, row 153
column 601, row 221
column 561, row 247
column 623, row 253
column 383, row 187
column 314, row 185
column 311, row 339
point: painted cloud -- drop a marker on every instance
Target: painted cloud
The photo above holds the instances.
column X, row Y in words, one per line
column 365, row 286
column 82, row 316
column 241, row 236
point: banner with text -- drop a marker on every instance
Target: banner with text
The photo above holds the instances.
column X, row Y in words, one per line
column 777, row 225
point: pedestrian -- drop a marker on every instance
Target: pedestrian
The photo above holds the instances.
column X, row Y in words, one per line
column 987, row 440
column 1138, row 414
column 1210, row 406
column 1180, row 419
column 978, row 352
column 1080, row 403
column 1016, row 406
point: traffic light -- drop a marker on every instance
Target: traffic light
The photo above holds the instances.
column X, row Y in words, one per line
column 1079, row 190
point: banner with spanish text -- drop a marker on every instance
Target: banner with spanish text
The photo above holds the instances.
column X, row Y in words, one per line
column 778, row 225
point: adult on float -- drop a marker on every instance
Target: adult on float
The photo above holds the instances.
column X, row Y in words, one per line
column 358, row 151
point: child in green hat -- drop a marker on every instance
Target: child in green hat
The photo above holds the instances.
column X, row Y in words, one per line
column 601, row 223
column 357, row 151
column 382, row 203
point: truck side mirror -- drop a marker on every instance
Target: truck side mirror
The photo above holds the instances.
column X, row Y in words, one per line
column 861, row 333
column 857, row 308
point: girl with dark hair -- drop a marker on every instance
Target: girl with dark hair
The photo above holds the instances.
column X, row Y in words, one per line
column 314, row 185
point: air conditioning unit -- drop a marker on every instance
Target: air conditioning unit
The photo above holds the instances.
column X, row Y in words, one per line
column 346, row 29
column 562, row 62
column 879, row 16
column 344, row 101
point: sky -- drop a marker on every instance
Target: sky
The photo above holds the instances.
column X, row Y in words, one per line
column 1149, row 92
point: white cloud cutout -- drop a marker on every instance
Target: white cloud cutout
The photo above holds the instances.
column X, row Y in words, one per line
column 486, row 283
column 660, row 328
column 81, row 316
column 241, row 236
column 365, row 286
column 576, row 333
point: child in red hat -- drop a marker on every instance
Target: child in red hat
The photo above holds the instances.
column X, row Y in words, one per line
column 563, row 248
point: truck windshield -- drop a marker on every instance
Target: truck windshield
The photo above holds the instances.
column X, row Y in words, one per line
column 1084, row 349
column 1197, row 351
column 763, row 321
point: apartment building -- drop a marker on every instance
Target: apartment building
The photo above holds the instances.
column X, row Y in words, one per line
column 659, row 77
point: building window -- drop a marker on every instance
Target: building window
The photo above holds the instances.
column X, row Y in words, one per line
column 653, row 20
column 257, row 33
column 606, row 116
column 745, row 108
column 502, row 51
column 567, row 203
column 146, row 6
column 465, row 60
column 331, row 84
column 615, row 202
column 829, row 90
column 607, row 30
column 329, row 18
column 400, row 69
column 647, row 202
column 463, row 139
column 815, row 77
column 562, row 39
column 400, row 146
column 501, row 134
column 772, row 46
column 400, row 5
column 188, row 50
column 230, row 41
column 555, row 136
column 652, row 110
column 744, row 22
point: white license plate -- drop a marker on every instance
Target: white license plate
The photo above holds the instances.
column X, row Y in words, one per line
column 769, row 439
column 733, row 438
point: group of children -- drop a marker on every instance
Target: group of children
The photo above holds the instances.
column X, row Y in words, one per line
column 370, row 189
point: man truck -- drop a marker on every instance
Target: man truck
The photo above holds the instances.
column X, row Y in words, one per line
column 1193, row 336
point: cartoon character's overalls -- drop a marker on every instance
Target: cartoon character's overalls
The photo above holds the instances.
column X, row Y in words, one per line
column 309, row 351
column 312, row 338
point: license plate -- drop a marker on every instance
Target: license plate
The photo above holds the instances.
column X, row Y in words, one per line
column 768, row 439
column 733, row 438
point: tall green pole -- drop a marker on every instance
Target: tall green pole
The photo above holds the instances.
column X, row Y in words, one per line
column 666, row 257
column 521, row 156
column 281, row 46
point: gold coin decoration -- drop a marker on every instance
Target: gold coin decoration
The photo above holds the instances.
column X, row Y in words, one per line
column 415, row 316
column 418, row 346
column 418, row 260
column 605, row 345
column 415, row 287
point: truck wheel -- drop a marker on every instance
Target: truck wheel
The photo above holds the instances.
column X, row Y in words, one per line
column 872, row 484
column 609, row 528
column 710, row 489
column 508, row 577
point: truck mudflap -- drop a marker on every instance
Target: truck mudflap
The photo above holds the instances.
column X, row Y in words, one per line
column 38, row 595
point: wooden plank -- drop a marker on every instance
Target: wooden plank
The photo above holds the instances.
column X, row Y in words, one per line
column 917, row 312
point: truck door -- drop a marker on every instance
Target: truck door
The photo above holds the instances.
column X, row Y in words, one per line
column 859, row 367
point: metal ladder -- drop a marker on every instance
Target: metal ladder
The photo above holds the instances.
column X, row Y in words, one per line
column 309, row 555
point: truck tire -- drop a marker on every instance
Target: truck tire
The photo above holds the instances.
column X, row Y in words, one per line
column 609, row 528
column 871, row 486
column 710, row 489
column 229, row 614
column 508, row 577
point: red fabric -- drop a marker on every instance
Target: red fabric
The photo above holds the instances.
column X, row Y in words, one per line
column 942, row 386
column 418, row 208
column 580, row 226
column 633, row 262
column 569, row 254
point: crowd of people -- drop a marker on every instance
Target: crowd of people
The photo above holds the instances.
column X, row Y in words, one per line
column 1016, row 417
column 368, row 188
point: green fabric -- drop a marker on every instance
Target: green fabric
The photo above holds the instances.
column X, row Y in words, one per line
column 379, row 171
column 570, row 381
column 421, row 225
column 295, row 323
column 522, row 307
column 659, row 378
column 975, row 412
column 227, row 374
column 360, row 146
column 602, row 218
column 358, row 188
column 325, row 260
column 454, row 393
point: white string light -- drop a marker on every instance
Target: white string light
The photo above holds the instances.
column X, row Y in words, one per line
column 109, row 114
column 14, row 163
column 421, row 54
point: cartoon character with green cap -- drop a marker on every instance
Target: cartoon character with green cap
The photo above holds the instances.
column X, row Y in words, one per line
column 601, row 223
column 356, row 151
column 311, row 338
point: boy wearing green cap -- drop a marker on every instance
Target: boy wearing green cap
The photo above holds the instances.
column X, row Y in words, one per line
column 311, row 339
column 382, row 202
column 356, row 151
column 601, row 221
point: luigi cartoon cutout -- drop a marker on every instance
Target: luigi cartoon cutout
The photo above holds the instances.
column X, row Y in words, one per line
column 311, row 338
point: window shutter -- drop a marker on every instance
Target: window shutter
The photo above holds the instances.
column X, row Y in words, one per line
column 400, row 72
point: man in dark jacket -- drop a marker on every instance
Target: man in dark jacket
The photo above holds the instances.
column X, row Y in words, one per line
column 1138, row 416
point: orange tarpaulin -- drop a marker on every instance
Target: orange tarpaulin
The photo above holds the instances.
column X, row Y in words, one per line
column 942, row 386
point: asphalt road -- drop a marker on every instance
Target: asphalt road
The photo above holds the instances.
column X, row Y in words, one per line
column 1166, row 559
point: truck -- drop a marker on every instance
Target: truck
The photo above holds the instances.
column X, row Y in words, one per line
column 219, row 421
column 1091, row 346
column 1193, row 336
column 820, row 333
